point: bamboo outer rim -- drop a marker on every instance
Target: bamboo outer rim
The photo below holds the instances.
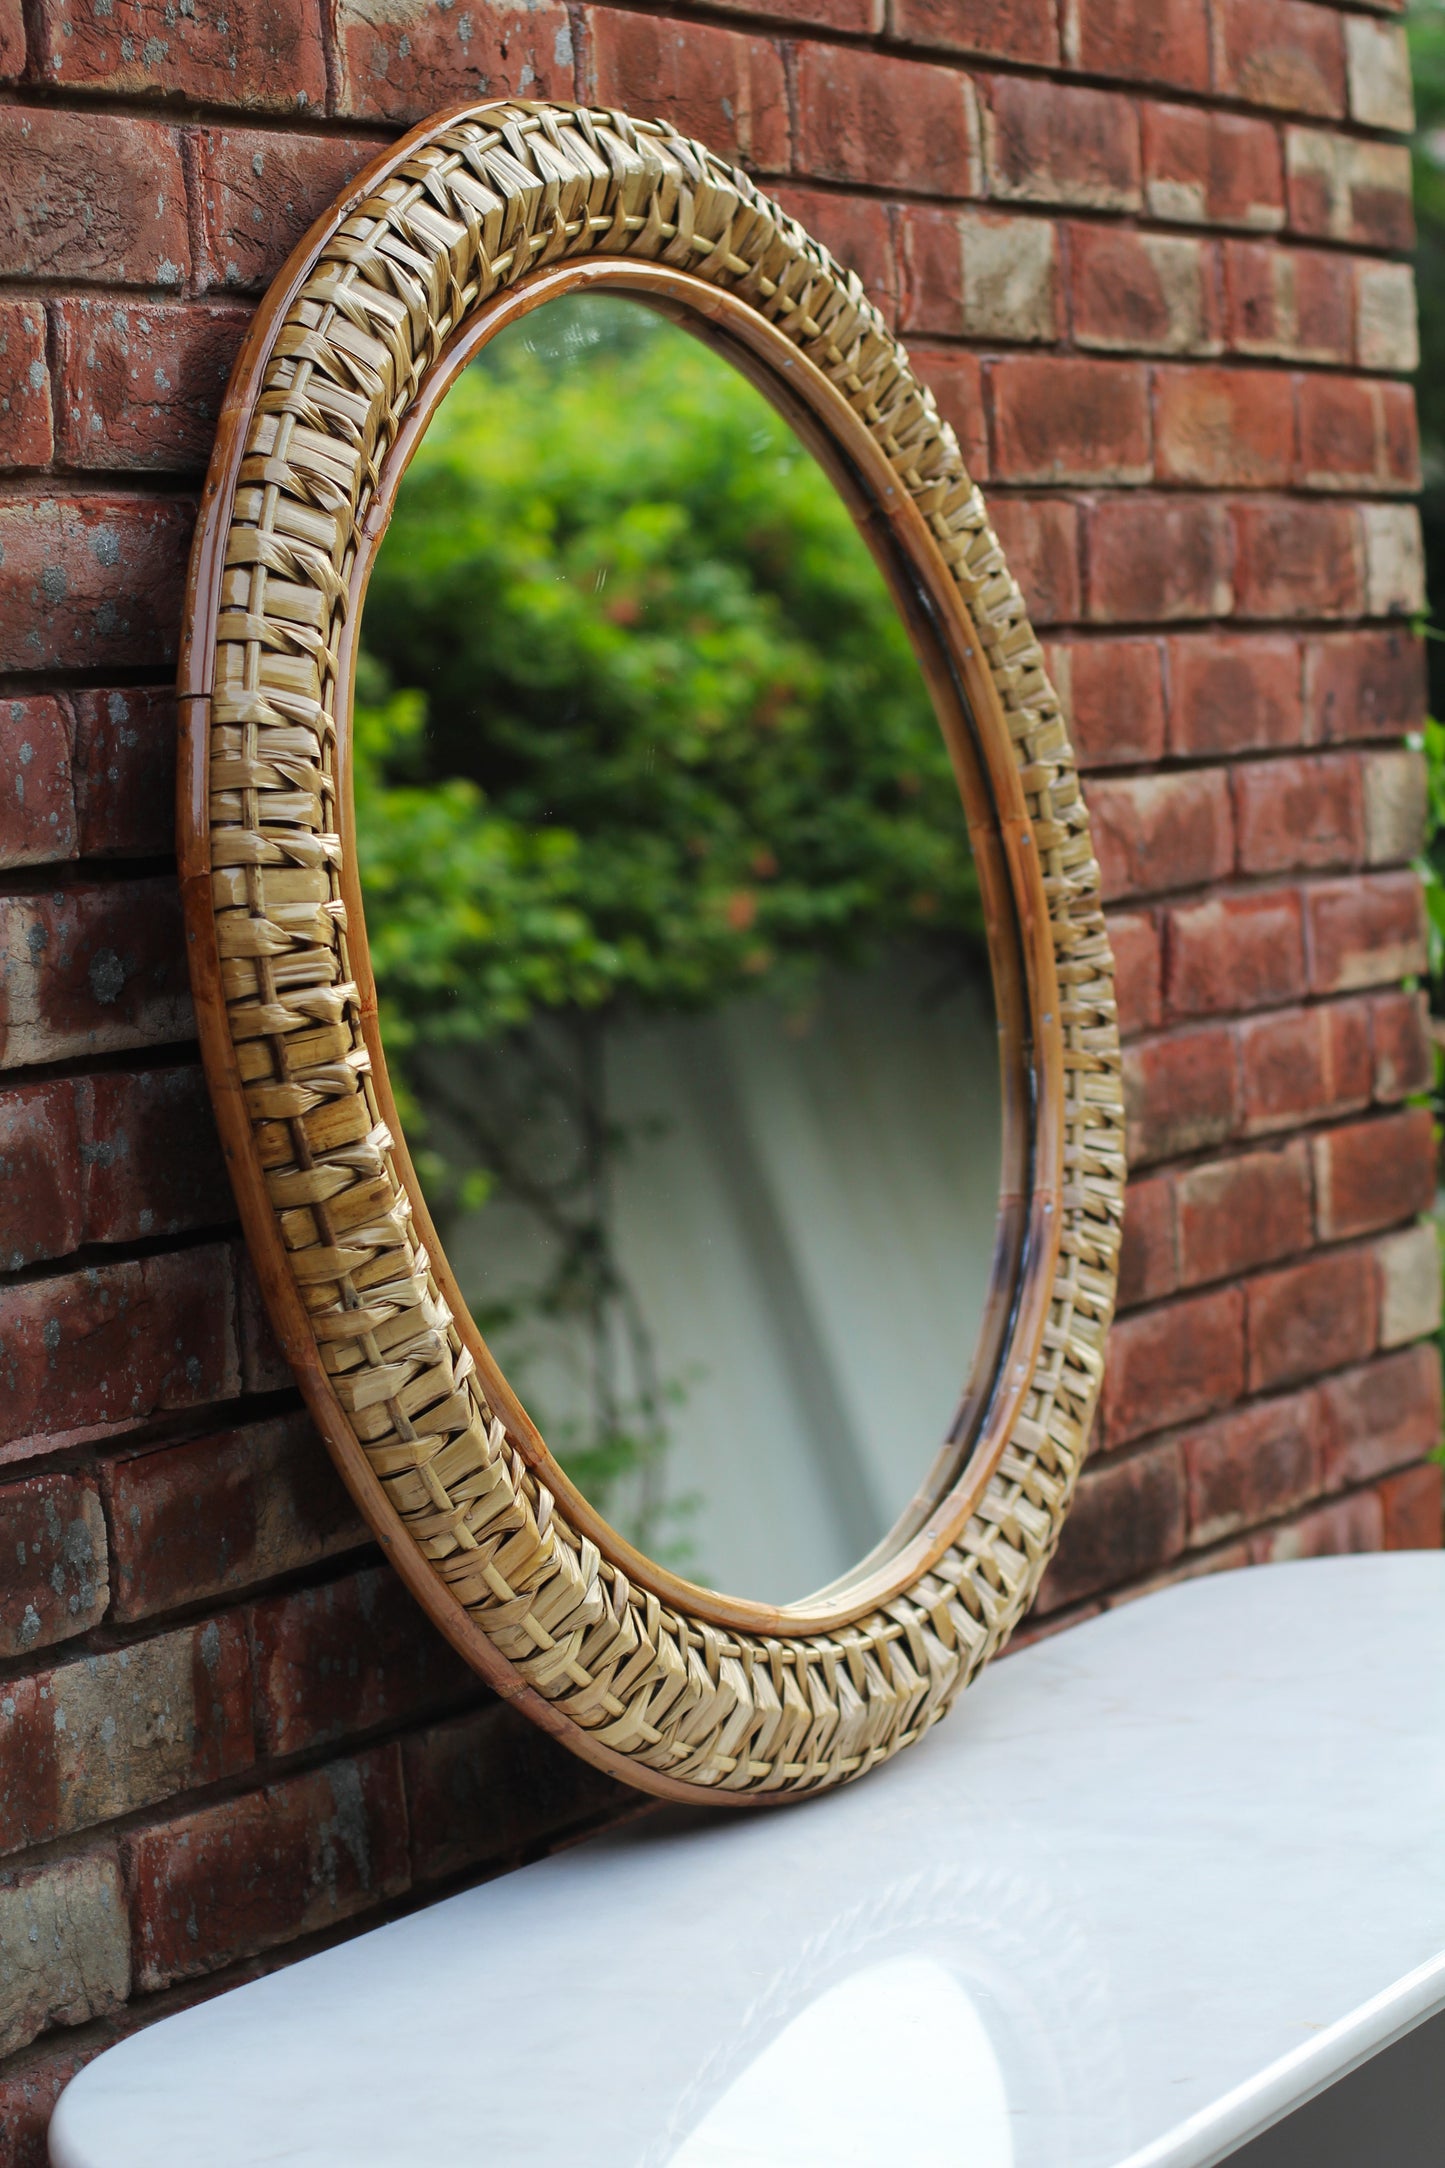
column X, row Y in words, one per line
column 472, row 218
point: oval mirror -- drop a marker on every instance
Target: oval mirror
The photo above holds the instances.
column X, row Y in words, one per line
column 648, row 953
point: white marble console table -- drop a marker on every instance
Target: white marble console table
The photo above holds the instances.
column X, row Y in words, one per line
column 1155, row 1884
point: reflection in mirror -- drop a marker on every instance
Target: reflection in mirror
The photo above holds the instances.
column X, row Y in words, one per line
column 678, row 946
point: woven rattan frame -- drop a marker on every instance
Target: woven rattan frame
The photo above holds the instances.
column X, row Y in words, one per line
column 474, row 217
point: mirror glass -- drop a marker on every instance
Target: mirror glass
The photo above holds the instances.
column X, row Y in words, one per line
column 679, row 947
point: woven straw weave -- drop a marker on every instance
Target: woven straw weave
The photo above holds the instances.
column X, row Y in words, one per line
column 481, row 201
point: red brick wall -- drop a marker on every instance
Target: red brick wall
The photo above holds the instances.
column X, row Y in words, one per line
column 1150, row 253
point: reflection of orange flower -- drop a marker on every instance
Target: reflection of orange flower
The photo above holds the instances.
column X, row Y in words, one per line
column 741, row 909
column 924, row 904
column 909, row 784
column 757, row 961
column 623, row 610
column 763, row 863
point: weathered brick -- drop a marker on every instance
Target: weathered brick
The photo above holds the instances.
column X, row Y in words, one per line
column 865, row 117
column 1346, row 189
column 399, row 60
column 974, row 274
column 140, row 382
column 30, row 2085
column 1251, row 1465
column 1407, row 1267
column 1049, row 142
column 215, row 1515
column 1303, row 1065
column 257, row 194
column 956, row 381
column 1378, row 64
column 152, row 1165
column 1234, row 693
column 91, row 969
column 1148, row 1255
column 346, row 1657
column 1394, row 560
column 1061, row 419
column 859, row 232
column 1173, row 1363
column 1113, row 695
column 37, row 803
column 266, row 56
column 41, row 1173
column 26, row 435
column 90, row 582
column 53, row 1543
column 1145, row 293
column 1296, row 559
column 1288, row 304
column 489, row 1786
column 1309, row 1317
column 1138, row 970
column 1348, row 439
column 108, row 1734
column 1225, row 953
column 124, row 771
column 1284, row 53
column 1181, row 1093
column 12, row 40
column 1224, row 428
column 1365, row 931
column 91, row 196
column 64, row 1946
column 1212, row 169
column 864, row 18
column 1375, row 1419
column 1306, row 812
column 1350, row 1524
column 1139, row 41
column 84, row 1354
column 246, row 1874
column 994, row 29
column 1400, row 1038
column 1127, row 1519
column 1365, row 684
column 1387, row 334
column 1040, row 537
column 1155, row 560
column 1159, row 832
column 1395, row 788
column 1237, row 1214
column 722, row 85
column 264, row 1368
column 1412, row 1506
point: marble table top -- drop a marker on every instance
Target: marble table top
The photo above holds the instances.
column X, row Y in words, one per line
column 1156, row 1881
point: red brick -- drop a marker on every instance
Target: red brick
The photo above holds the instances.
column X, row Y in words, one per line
column 1113, row 695
column 1348, row 188
column 956, row 381
column 1143, row 41
column 264, row 1368
column 1224, row 428
column 1365, row 931
column 1142, row 292
column 1059, row 419
column 408, row 59
column 257, row 194
column 489, row 1787
column 1232, row 952
column 52, row 1538
column 1148, row 1257
column 12, row 41
column 91, row 196
column 92, row 969
column 1056, row 143
column 720, row 85
column 1040, row 537
column 1159, row 832
column 1127, row 1519
column 140, row 382
column 1304, row 1065
column 1232, row 693
column 26, row 436
column 125, row 771
column 29, row 2089
column 215, row 1515
column 1399, row 437
column 1168, row 1365
column 1375, row 1419
column 1350, row 1524
column 1374, row 1173
column 108, row 1734
column 1251, row 1465
column 1153, row 560
column 1343, row 436
column 41, row 1173
column 1412, row 1505
column 1212, row 169
column 1181, row 1093
column 152, row 1165
column 864, row 18
column 1310, row 1317
column 1400, row 1036
column 85, row 1354
column 897, row 123
column 976, row 275
column 1236, row 1214
column 91, row 581
column 1296, row 813
column 1296, row 559
column 1288, row 304
column 267, row 55
column 1364, row 684
column 37, row 810
column 1285, row 53
column 995, row 29
column 245, row 1874
column 345, row 1658
column 63, row 1953
column 859, row 233
column 1137, row 970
